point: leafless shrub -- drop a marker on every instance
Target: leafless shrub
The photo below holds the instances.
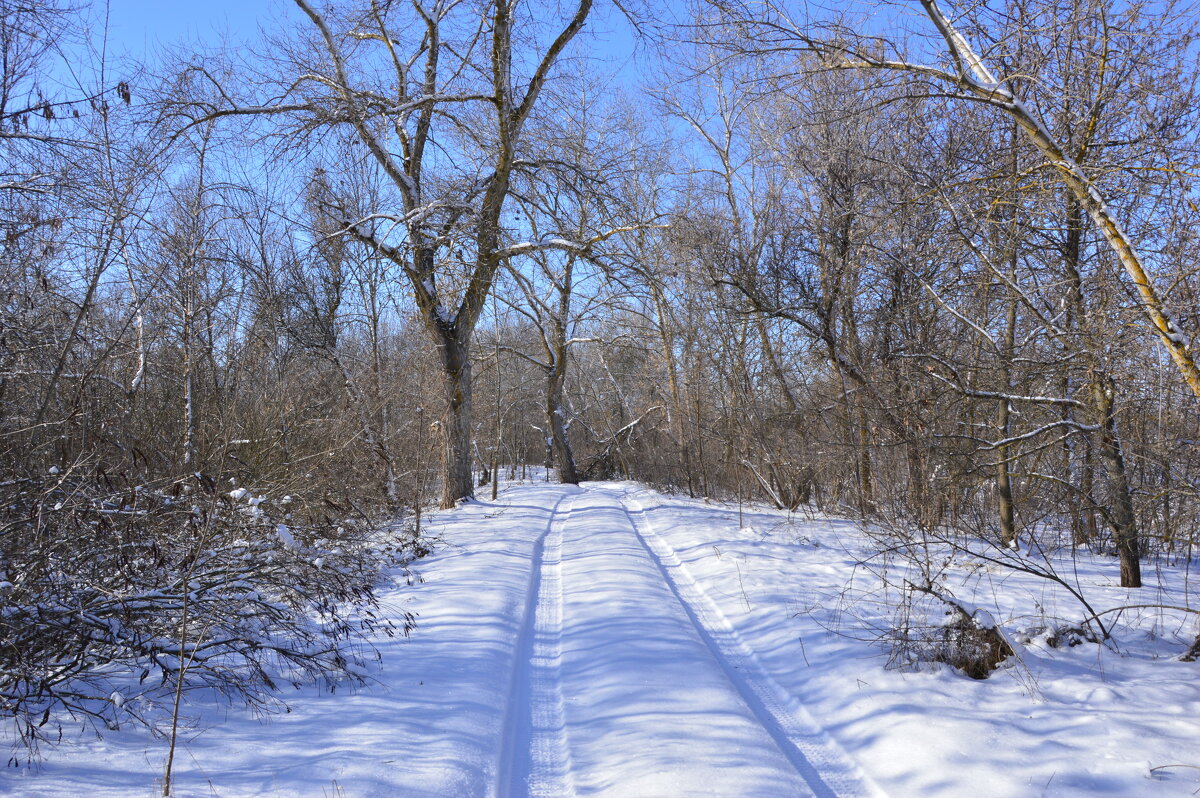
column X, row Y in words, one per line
column 933, row 626
column 95, row 585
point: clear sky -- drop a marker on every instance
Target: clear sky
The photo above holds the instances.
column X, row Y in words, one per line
column 141, row 26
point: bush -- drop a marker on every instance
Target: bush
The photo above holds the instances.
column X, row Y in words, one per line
column 935, row 627
column 106, row 595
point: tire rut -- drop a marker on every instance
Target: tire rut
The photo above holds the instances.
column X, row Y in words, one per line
column 534, row 759
column 827, row 769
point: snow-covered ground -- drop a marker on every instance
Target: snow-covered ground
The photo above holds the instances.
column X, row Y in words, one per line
column 609, row 640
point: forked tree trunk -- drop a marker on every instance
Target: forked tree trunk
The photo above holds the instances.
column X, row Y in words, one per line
column 419, row 258
column 556, row 377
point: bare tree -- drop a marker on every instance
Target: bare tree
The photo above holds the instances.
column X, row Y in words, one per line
column 968, row 77
column 435, row 96
column 587, row 149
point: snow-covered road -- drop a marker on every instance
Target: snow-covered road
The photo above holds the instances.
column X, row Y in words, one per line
column 629, row 681
column 608, row 640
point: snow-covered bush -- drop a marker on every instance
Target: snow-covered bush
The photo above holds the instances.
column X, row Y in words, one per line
column 933, row 626
column 105, row 596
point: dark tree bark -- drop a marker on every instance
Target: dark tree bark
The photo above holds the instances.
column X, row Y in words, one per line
column 1122, row 517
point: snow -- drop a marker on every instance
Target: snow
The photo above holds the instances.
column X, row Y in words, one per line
column 285, row 535
column 607, row 640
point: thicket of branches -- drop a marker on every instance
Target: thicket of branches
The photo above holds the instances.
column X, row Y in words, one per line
column 342, row 277
column 186, row 499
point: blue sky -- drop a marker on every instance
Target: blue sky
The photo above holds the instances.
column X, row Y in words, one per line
column 140, row 26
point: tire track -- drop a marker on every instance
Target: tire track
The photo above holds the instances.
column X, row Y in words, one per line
column 827, row 769
column 550, row 762
column 534, row 759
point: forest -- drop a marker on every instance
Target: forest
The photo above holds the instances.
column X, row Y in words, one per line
column 928, row 266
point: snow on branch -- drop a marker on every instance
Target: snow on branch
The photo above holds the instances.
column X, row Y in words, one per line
column 583, row 247
column 959, row 385
column 1068, row 423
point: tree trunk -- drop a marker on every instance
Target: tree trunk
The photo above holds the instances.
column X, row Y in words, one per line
column 556, row 378
column 188, row 307
column 1004, row 496
column 1100, row 393
column 563, row 454
column 391, row 488
column 921, row 506
column 773, row 362
column 1090, row 528
column 456, row 452
column 1005, row 507
column 1122, row 517
column 189, row 402
column 678, row 411
column 866, row 489
column 1168, row 517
